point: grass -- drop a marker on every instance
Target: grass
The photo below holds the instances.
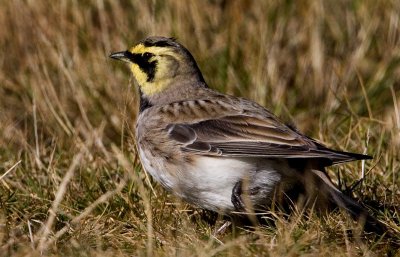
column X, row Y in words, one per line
column 70, row 179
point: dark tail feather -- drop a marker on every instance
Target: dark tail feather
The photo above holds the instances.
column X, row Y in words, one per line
column 340, row 157
column 356, row 210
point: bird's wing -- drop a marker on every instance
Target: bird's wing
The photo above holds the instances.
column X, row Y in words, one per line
column 248, row 132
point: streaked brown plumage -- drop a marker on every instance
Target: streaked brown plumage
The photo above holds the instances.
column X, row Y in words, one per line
column 212, row 149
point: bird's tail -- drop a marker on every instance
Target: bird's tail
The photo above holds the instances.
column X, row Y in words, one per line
column 357, row 211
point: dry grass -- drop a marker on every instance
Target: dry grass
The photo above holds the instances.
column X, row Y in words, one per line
column 71, row 183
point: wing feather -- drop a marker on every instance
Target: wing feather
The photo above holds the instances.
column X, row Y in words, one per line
column 250, row 134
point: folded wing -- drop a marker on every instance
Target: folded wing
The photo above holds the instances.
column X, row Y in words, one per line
column 241, row 135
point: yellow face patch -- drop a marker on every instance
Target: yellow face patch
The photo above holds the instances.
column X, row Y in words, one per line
column 148, row 88
column 138, row 49
column 156, row 50
column 161, row 80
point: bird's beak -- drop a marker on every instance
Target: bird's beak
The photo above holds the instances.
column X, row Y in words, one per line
column 122, row 56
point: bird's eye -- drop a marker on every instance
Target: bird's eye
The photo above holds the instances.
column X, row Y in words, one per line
column 147, row 55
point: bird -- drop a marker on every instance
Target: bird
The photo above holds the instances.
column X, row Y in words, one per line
column 220, row 152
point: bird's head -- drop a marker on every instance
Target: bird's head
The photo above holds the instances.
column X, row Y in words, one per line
column 157, row 62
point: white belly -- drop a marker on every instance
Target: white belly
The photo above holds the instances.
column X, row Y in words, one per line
column 208, row 181
column 212, row 179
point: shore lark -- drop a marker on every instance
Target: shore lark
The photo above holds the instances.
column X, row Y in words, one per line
column 220, row 152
